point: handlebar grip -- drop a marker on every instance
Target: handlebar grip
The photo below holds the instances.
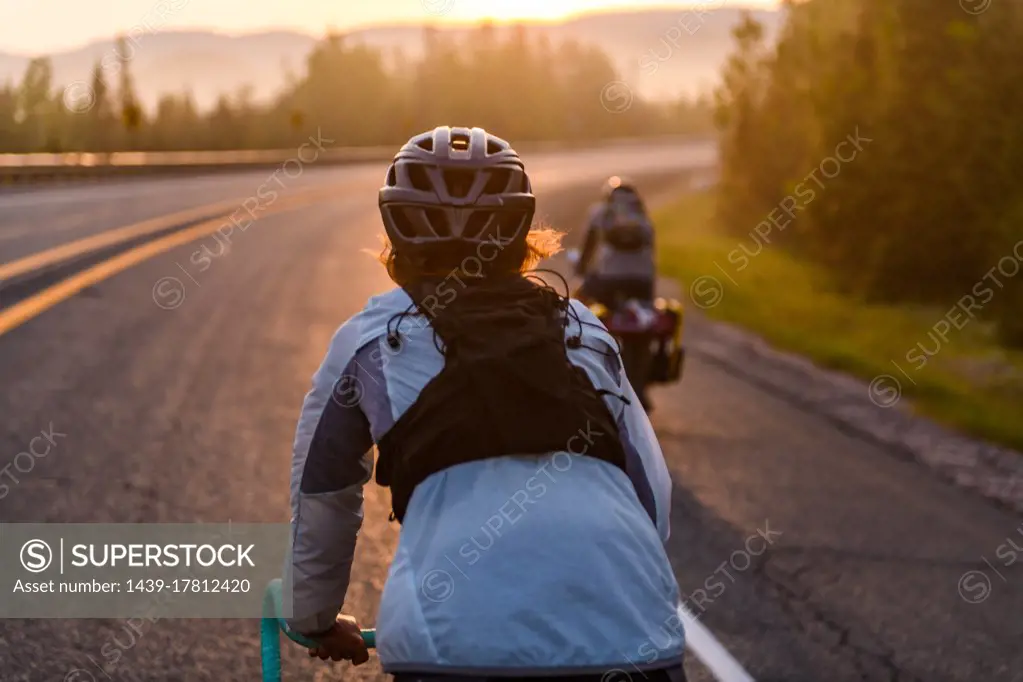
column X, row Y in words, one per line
column 368, row 636
column 272, row 625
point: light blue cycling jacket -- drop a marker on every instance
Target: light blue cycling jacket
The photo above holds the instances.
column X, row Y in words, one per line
column 541, row 565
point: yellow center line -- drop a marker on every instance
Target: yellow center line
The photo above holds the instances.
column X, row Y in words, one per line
column 95, row 242
column 109, row 238
column 23, row 311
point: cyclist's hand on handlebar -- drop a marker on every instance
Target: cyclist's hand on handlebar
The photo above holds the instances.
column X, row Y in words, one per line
column 343, row 642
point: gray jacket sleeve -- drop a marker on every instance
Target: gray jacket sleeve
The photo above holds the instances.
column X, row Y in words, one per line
column 331, row 462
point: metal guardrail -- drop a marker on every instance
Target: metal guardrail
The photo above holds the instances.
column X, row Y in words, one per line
column 31, row 168
column 177, row 159
column 27, row 168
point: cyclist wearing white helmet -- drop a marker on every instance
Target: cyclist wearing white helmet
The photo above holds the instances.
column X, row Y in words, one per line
column 617, row 258
column 533, row 496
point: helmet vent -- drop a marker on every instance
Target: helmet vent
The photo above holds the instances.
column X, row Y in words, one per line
column 417, row 175
column 459, row 182
column 507, row 224
column 402, row 223
column 438, row 220
column 392, row 176
column 498, row 181
column 459, row 142
column 474, row 226
column 493, row 147
column 425, row 143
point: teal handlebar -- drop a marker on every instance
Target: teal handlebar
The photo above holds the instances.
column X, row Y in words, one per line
column 272, row 625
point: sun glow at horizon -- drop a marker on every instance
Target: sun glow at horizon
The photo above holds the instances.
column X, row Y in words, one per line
column 508, row 11
column 504, row 11
column 29, row 28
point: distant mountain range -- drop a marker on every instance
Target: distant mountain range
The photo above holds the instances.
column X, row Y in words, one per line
column 661, row 54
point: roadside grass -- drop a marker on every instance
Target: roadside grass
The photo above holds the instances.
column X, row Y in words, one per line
column 971, row 383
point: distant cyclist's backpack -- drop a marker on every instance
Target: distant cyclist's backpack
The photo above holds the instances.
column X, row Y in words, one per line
column 626, row 229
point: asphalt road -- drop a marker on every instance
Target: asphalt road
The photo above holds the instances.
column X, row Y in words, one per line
column 187, row 414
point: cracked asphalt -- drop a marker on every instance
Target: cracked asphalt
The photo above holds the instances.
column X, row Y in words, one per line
column 812, row 554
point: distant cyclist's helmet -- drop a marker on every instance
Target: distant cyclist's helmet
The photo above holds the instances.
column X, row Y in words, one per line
column 617, row 186
column 619, row 191
column 456, row 185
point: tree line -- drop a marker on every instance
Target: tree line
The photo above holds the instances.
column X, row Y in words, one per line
column 931, row 210
column 520, row 85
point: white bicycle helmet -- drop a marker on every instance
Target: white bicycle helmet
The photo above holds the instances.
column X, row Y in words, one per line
column 456, row 185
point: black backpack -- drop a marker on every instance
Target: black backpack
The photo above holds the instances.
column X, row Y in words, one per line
column 626, row 230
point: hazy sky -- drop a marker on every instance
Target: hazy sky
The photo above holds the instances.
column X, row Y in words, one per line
column 43, row 26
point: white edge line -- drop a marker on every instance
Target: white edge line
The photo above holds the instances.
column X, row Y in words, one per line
column 710, row 651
